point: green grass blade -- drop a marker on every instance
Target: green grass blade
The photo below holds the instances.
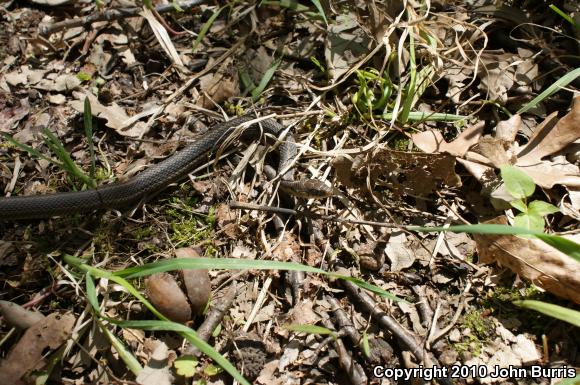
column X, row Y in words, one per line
column 410, row 94
column 32, row 151
column 191, row 336
column 564, row 16
column 418, row 116
column 310, row 329
column 557, row 86
column 206, row 26
column 256, row 92
column 125, row 354
column 88, row 123
column 564, row 245
column 559, row 312
column 320, row 10
column 62, row 154
column 92, row 293
column 241, row 264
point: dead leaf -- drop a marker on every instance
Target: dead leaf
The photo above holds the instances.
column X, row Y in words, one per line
column 218, row 86
column 196, row 282
column 162, row 36
column 402, row 172
column 27, row 354
column 433, row 142
column 533, row 260
column 549, row 139
column 157, row 371
column 12, row 111
column 345, row 45
column 398, row 252
column 115, row 116
column 166, row 295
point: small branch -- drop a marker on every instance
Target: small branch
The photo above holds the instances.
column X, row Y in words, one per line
column 109, row 15
column 309, row 214
column 213, row 319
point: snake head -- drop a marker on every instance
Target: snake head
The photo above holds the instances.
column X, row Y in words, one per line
column 308, row 188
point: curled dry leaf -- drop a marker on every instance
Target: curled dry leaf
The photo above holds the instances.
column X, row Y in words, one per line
column 166, row 295
column 27, row 354
column 17, row 316
column 116, row 117
column 432, row 141
column 533, row 260
column 197, row 283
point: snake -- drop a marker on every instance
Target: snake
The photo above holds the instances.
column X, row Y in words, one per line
column 147, row 183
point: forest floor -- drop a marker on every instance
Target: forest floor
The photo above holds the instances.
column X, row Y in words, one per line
column 417, row 115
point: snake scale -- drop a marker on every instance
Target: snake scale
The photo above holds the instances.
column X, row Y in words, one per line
column 155, row 178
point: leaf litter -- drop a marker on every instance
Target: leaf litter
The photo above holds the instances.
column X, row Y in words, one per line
column 364, row 87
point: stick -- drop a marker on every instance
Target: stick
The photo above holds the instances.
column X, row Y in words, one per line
column 112, row 14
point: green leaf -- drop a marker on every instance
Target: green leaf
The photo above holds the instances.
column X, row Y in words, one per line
column 310, row 329
column 83, row 76
column 185, row 366
column 520, row 205
column 212, row 370
column 570, row 381
column 541, row 208
column 529, row 221
column 519, row 184
column 559, row 312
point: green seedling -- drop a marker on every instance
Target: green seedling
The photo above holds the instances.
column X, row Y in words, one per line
column 521, row 187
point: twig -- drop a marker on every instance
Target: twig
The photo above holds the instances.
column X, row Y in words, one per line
column 310, row 214
column 352, row 368
column 213, row 319
column 110, row 15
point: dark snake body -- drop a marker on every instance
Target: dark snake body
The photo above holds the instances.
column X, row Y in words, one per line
column 150, row 181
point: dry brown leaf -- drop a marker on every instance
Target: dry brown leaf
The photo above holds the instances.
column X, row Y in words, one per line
column 12, row 111
column 398, row 251
column 27, row 354
column 166, row 295
column 196, row 282
column 533, row 260
column 403, row 172
column 433, row 142
column 116, row 117
column 287, row 249
column 218, row 86
column 549, row 139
